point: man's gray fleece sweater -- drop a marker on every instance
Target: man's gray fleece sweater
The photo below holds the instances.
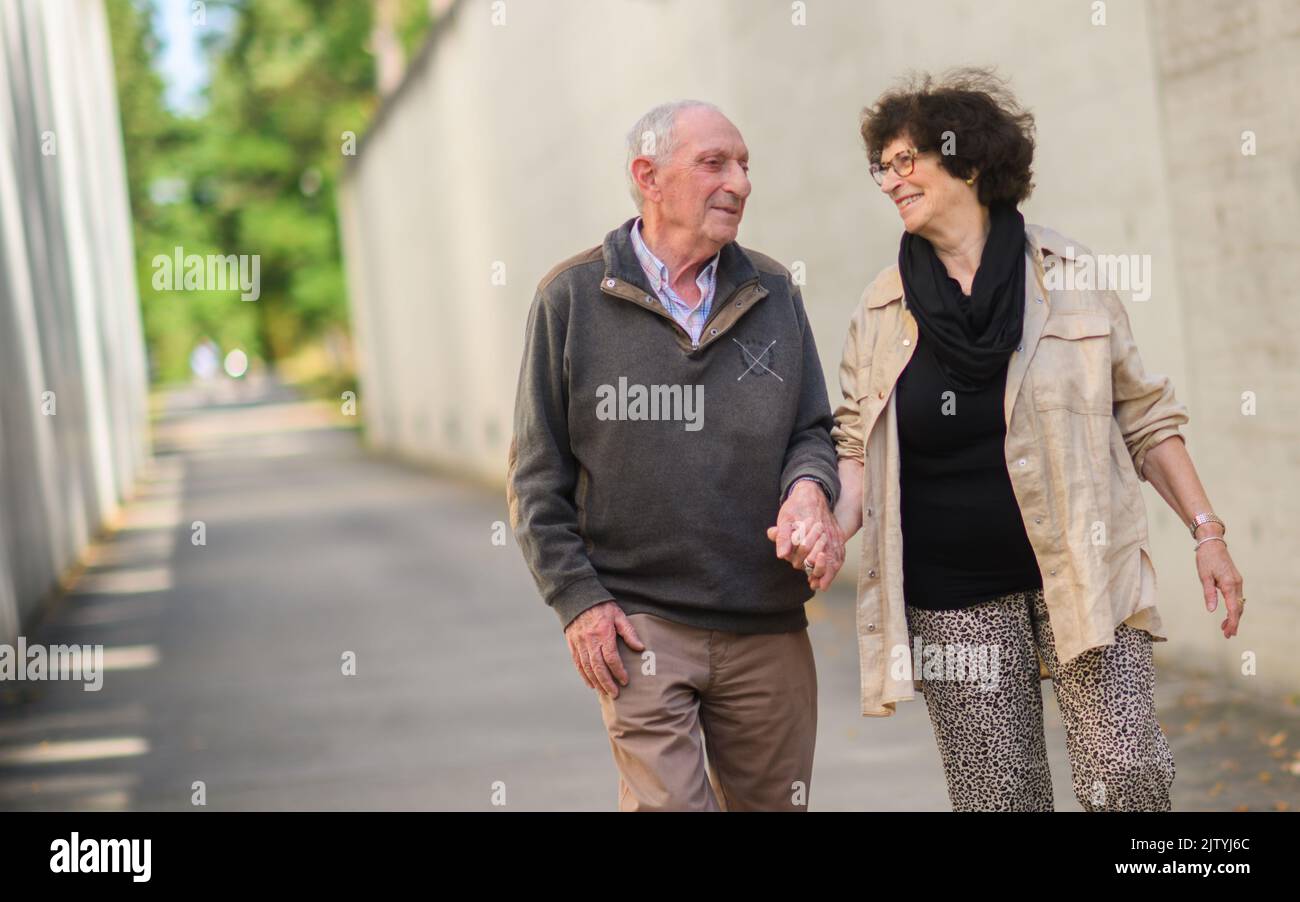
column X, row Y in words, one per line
column 646, row 469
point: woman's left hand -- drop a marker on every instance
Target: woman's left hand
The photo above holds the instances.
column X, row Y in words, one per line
column 1218, row 574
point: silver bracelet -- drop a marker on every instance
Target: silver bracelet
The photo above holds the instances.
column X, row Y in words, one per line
column 1200, row 542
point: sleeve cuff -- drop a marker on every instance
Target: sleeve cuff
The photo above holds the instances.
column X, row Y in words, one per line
column 1140, row 458
column 576, row 597
column 828, row 489
column 848, row 451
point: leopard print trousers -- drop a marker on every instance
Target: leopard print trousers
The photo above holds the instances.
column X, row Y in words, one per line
column 990, row 731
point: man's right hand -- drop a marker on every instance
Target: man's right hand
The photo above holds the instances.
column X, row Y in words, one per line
column 593, row 642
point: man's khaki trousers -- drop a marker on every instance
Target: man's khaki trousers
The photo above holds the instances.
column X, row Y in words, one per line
column 748, row 702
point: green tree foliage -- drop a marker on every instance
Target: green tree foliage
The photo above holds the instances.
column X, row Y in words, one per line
column 255, row 172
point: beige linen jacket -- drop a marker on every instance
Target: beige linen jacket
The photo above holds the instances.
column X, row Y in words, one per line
column 1081, row 414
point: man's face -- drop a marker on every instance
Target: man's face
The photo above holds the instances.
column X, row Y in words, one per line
column 704, row 185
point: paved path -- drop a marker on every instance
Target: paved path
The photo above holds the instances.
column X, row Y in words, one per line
column 224, row 660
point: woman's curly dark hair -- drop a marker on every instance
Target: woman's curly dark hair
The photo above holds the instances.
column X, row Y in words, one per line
column 989, row 130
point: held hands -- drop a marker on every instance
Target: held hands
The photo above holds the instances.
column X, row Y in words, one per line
column 807, row 535
column 593, row 643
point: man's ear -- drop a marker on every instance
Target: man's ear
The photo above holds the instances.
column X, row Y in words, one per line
column 643, row 173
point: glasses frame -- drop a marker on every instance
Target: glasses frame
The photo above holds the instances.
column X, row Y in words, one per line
column 878, row 170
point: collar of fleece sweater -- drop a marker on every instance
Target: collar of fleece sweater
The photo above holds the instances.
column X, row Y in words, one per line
column 734, row 266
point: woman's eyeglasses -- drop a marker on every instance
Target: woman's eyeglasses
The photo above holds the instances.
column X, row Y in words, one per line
column 902, row 163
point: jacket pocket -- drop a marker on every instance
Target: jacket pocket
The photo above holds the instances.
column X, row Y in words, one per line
column 1071, row 365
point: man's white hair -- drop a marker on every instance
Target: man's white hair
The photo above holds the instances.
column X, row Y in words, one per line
column 652, row 136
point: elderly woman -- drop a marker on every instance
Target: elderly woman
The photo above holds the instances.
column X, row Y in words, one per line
column 994, row 429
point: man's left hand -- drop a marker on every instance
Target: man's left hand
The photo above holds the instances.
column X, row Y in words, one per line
column 804, row 521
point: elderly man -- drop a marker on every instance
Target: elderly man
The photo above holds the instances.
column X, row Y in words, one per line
column 670, row 410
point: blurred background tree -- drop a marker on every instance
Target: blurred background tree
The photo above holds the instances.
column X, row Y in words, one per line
column 254, row 170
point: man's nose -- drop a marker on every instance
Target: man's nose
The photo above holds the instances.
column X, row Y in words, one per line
column 738, row 182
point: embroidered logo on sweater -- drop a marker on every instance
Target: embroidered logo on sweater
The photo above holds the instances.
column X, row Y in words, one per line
column 757, row 358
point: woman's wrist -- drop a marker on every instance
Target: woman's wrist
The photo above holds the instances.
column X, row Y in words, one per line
column 1208, row 539
column 1207, row 524
column 848, row 509
column 1208, row 532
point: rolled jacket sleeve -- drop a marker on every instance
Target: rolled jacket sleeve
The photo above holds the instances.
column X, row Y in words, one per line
column 1144, row 404
column 847, row 431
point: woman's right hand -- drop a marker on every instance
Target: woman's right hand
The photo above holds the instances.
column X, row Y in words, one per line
column 848, row 516
column 825, row 561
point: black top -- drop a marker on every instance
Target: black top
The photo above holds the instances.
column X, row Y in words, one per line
column 963, row 537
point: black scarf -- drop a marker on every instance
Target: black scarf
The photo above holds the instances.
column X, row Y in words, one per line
column 972, row 337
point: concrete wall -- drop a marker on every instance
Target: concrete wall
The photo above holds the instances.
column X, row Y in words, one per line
column 503, row 147
column 1225, row 69
column 69, row 312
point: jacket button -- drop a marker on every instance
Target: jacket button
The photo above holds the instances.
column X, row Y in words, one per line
column 1020, row 347
column 1038, row 519
column 609, row 283
column 871, row 627
column 1039, row 300
column 871, row 573
column 647, row 298
column 1022, row 461
column 906, row 342
column 868, row 512
column 713, row 331
column 880, row 395
column 1051, row 572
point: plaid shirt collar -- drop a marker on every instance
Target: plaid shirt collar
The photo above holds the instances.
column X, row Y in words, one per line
column 657, row 272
